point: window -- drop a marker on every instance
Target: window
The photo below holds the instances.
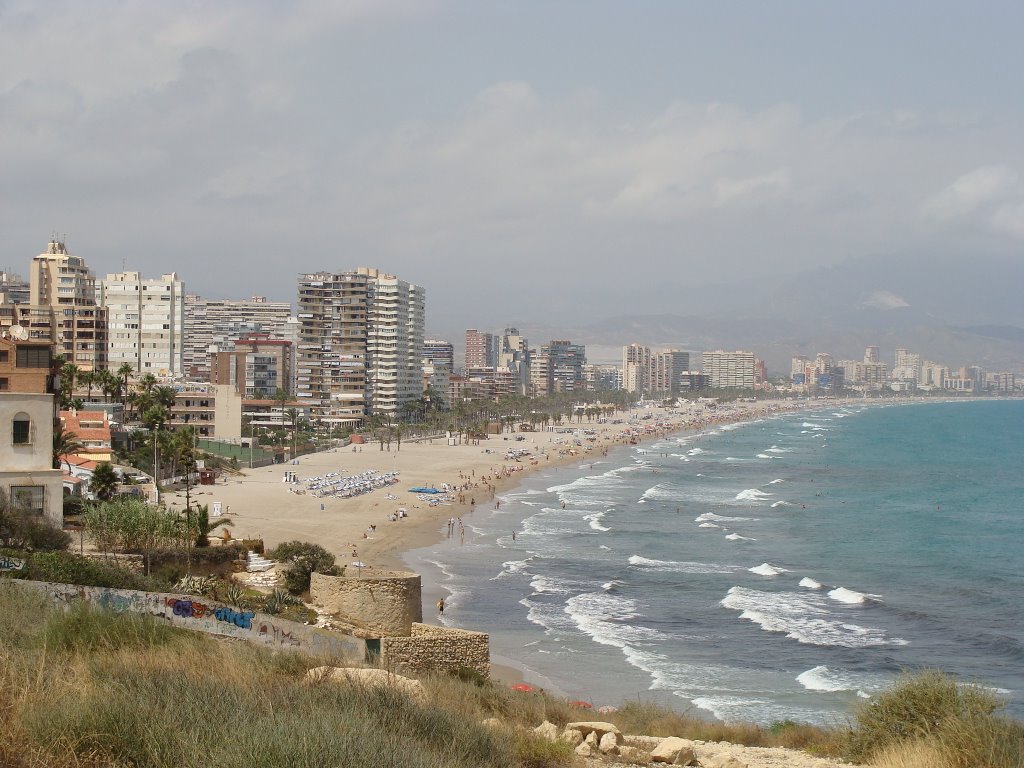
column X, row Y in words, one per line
column 34, row 357
column 31, row 497
column 4, row 355
column 22, row 429
column 5, row 384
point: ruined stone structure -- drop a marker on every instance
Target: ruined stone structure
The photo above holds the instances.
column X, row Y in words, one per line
column 430, row 647
column 383, row 604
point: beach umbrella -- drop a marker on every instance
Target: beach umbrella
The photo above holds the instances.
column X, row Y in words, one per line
column 607, row 710
column 523, row 687
column 359, row 564
column 581, row 705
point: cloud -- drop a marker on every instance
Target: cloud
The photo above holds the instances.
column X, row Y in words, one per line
column 231, row 135
column 971, row 191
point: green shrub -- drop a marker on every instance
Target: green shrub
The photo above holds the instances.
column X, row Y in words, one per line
column 253, row 545
column 68, row 568
column 926, row 705
column 21, row 529
column 534, row 752
column 301, row 560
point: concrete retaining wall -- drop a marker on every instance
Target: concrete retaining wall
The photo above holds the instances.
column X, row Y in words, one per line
column 437, row 648
column 383, row 603
column 202, row 615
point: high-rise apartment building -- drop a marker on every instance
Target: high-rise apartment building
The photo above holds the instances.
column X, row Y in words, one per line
column 480, row 350
column 871, row 354
column 728, row 370
column 62, row 308
column 145, row 322
column 636, row 366
column 438, row 352
column 908, row 366
column 647, row 371
column 258, row 366
column 360, row 344
column 514, row 358
column 566, row 361
column 214, row 325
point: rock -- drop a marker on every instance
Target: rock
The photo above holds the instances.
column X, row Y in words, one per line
column 584, row 750
column 492, row 722
column 644, row 743
column 609, row 744
column 673, row 750
column 547, row 731
column 601, row 728
column 572, row 736
column 591, row 739
column 371, row 678
column 722, row 761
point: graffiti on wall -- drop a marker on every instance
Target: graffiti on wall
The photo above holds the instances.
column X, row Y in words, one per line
column 11, row 563
column 189, row 612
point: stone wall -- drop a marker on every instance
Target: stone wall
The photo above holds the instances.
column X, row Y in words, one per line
column 379, row 602
column 202, row 615
column 437, row 648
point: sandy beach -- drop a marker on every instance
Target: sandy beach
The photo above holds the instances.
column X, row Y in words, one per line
column 369, row 529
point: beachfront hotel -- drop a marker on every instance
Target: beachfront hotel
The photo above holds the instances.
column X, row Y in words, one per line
column 728, row 370
column 360, row 344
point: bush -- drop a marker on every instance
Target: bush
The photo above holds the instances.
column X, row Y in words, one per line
column 301, row 560
column 534, row 752
column 22, row 529
column 67, row 568
column 927, row 706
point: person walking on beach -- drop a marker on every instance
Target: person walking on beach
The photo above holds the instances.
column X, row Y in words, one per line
column 440, row 606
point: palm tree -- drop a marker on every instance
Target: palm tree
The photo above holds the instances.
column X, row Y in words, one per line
column 64, row 442
column 124, row 373
column 104, row 481
column 205, row 526
column 68, row 373
column 88, row 378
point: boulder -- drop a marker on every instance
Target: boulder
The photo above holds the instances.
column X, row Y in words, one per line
column 601, row 728
column 370, row 678
column 591, row 739
column 572, row 736
column 547, row 731
column 609, row 744
column 673, row 750
column 584, row 750
column 722, row 761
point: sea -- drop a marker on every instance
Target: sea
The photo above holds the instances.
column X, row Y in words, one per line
column 784, row 568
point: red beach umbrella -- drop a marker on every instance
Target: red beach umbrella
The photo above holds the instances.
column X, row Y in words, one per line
column 581, row 705
column 523, row 687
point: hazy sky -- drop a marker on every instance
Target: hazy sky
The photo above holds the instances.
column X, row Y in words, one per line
column 506, row 154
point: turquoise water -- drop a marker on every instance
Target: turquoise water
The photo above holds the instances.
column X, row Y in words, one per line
column 783, row 568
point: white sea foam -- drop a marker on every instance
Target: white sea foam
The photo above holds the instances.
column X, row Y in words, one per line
column 605, row 618
column 776, row 449
column 548, row 585
column 776, row 481
column 695, row 451
column 708, row 525
column 752, row 494
column 809, row 583
column 767, row 569
column 850, row 597
column 780, row 504
column 681, row 567
column 831, row 680
column 804, row 617
column 766, row 456
column 732, row 458
column 610, row 585
column 709, row 516
column 595, row 521
column 737, row 537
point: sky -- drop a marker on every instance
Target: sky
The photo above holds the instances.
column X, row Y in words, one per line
column 517, row 159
